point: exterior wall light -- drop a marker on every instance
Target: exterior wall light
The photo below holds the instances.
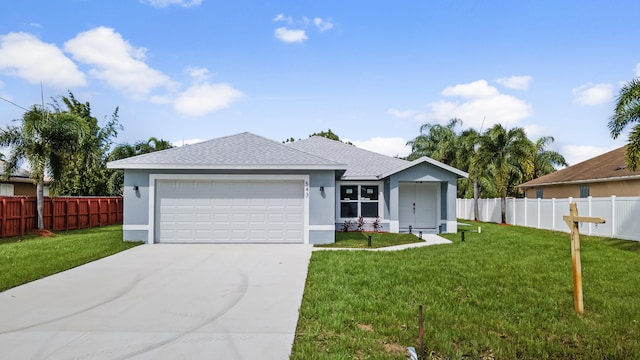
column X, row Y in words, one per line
column 135, row 187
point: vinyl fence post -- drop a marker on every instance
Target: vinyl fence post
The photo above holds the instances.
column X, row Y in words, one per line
column 613, row 216
column 539, row 213
column 553, row 213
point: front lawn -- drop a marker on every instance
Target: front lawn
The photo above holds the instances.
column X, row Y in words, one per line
column 504, row 293
column 31, row 257
column 356, row 239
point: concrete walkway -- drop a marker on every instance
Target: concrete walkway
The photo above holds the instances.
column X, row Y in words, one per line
column 429, row 239
column 161, row 302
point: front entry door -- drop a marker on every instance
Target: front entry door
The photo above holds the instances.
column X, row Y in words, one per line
column 418, row 205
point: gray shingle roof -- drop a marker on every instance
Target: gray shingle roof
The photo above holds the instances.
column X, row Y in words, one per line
column 361, row 164
column 241, row 151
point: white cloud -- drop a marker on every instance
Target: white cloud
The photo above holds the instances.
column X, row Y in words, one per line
column 116, row 62
column 198, row 74
column 281, row 17
column 183, row 142
column 202, row 99
column 534, row 132
column 516, row 82
column 402, row 114
column 289, row 35
column 637, row 69
column 27, row 57
column 323, row 25
column 165, row 3
column 391, row 146
column 1, row 84
column 485, row 104
column 578, row 153
column 589, row 94
column 475, row 90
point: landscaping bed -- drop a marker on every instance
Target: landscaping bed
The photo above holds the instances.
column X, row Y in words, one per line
column 357, row 239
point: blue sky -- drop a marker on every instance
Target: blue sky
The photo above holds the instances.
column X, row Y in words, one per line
column 371, row 71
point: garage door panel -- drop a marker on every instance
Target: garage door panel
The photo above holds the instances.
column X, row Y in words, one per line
column 230, row 211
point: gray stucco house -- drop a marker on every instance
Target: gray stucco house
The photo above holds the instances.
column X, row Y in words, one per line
column 248, row 189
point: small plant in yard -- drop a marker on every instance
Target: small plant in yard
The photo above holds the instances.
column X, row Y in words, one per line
column 376, row 224
column 360, row 223
column 346, row 226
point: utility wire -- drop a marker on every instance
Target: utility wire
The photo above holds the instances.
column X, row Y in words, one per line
column 14, row 104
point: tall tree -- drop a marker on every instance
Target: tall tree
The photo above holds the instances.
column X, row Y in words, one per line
column 86, row 173
column 509, row 154
column 628, row 111
column 468, row 143
column 436, row 141
column 546, row 161
column 327, row 134
column 123, row 151
column 43, row 140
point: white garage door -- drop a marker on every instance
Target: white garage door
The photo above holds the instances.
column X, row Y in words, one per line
column 194, row 211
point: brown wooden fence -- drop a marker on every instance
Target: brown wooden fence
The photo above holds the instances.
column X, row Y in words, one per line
column 18, row 214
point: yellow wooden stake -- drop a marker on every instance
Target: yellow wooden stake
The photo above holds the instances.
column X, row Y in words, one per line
column 573, row 221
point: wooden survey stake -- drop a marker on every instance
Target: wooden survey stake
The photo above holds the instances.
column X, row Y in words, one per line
column 573, row 221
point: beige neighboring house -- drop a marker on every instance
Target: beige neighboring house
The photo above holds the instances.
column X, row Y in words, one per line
column 601, row 176
column 19, row 184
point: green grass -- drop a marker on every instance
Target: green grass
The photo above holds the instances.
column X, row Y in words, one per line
column 505, row 293
column 31, row 257
column 355, row 239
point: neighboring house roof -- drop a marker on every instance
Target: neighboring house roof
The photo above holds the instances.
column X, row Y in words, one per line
column 363, row 164
column 19, row 175
column 241, row 151
column 606, row 167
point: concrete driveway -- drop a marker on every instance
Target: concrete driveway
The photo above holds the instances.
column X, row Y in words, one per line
column 162, row 302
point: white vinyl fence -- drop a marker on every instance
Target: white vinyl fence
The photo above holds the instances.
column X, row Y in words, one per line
column 622, row 214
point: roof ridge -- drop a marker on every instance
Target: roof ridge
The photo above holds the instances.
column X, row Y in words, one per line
column 353, row 145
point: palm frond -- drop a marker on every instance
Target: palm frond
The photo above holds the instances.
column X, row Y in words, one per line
column 632, row 157
column 627, row 108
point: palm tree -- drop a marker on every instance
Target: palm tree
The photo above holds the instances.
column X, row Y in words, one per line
column 438, row 142
column 468, row 145
column 42, row 140
column 545, row 161
column 508, row 154
column 627, row 111
column 123, row 151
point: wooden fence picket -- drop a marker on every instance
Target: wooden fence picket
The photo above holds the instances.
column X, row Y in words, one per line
column 18, row 214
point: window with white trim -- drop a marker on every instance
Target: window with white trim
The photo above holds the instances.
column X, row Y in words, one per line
column 359, row 200
column 6, row 189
